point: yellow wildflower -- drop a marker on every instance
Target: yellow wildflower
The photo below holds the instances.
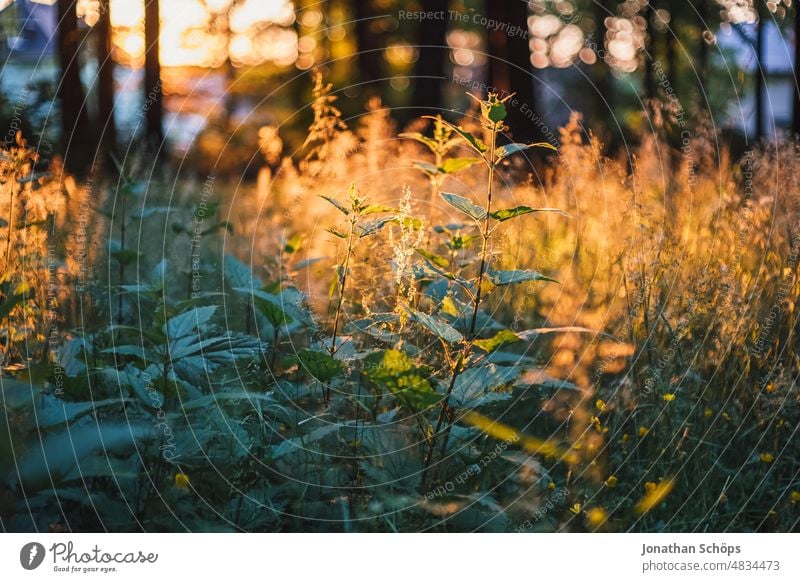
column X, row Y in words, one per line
column 766, row 457
column 669, row 397
column 655, row 495
column 601, row 406
column 182, row 481
column 708, row 412
column 611, row 481
column 770, row 388
column 551, row 486
column 795, row 496
column 596, row 516
column 576, row 508
column 643, row 430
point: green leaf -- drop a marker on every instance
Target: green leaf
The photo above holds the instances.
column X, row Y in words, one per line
column 339, row 206
column 376, row 208
column 394, row 371
column 500, row 278
column 335, row 232
column 269, row 305
column 373, row 226
column 237, row 274
column 505, row 151
column 319, row 364
column 428, row 168
column 494, row 112
column 61, row 412
column 426, row 141
column 301, row 443
column 184, row 324
column 436, row 326
column 452, row 165
column 435, row 259
column 509, row 213
column 49, row 460
column 475, row 386
column 500, row 339
column 464, row 205
column 473, row 141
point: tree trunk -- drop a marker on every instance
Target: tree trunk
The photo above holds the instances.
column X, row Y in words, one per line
column 796, row 80
column 369, row 45
column 649, row 53
column 433, row 50
column 702, row 53
column 600, row 74
column 153, row 91
column 760, row 75
column 510, row 68
column 76, row 132
column 105, row 81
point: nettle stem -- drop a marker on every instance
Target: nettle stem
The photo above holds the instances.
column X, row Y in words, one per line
column 342, row 285
column 486, row 234
column 459, row 366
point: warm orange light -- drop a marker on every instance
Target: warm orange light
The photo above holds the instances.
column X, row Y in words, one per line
column 187, row 41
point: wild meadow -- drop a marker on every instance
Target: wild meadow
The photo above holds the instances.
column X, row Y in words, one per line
column 426, row 328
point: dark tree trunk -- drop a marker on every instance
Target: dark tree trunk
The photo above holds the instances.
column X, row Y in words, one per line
column 649, row 53
column 433, row 51
column 510, row 68
column 105, row 81
column 153, row 91
column 369, row 47
column 600, row 74
column 760, row 75
column 702, row 53
column 796, row 81
column 76, row 132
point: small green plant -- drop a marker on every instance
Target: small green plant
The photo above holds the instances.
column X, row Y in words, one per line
column 469, row 350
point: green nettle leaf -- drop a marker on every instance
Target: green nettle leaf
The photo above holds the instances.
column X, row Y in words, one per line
column 376, row 208
column 272, row 310
column 505, row 151
column 464, row 205
column 500, row 278
column 427, row 167
column 494, row 112
column 426, row 141
column 237, row 274
column 509, row 213
column 373, row 226
column 339, row 206
column 453, row 165
column 335, row 232
column 476, row 386
column 435, row 259
column 473, row 141
column 319, row 364
column 436, row 326
column 394, row 371
column 500, row 339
